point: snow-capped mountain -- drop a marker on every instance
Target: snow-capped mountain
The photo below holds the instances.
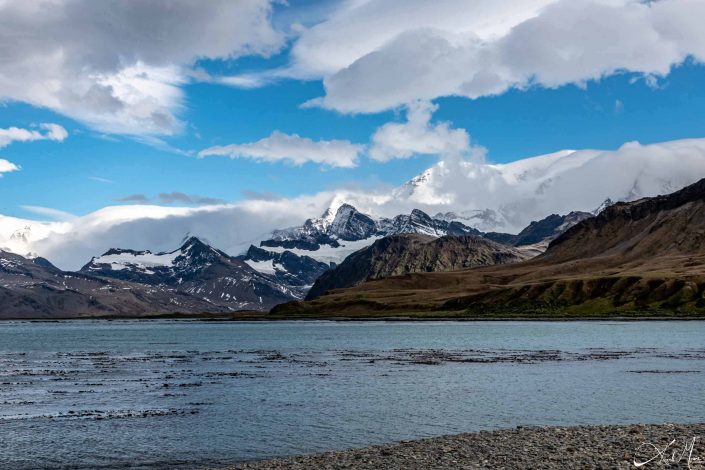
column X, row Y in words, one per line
column 505, row 197
column 34, row 288
column 296, row 273
column 198, row 278
column 489, row 197
column 335, row 235
column 196, row 269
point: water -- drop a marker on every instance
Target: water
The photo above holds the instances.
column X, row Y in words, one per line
column 191, row 394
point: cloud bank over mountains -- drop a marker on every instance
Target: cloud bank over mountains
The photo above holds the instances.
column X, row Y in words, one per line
column 502, row 197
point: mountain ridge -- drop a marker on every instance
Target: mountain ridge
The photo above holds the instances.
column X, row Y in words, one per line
column 643, row 257
column 408, row 253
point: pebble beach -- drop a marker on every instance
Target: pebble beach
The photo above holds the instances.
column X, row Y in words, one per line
column 620, row 447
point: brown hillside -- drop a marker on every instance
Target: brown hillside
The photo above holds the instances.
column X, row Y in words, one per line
column 409, row 253
column 645, row 256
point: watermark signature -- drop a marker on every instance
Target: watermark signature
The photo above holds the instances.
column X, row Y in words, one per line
column 676, row 452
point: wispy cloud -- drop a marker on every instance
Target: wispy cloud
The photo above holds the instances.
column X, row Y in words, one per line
column 260, row 196
column 161, row 144
column 189, row 199
column 53, row 214
column 101, row 180
column 135, row 198
column 174, row 197
column 294, row 149
column 48, row 131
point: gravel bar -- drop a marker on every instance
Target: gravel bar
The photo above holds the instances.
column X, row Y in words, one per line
column 670, row 445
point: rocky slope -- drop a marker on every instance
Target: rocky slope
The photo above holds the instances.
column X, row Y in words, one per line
column 199, row 270
column 296, row 273
column 409, row 253
column 645, row 257
column 541, row 231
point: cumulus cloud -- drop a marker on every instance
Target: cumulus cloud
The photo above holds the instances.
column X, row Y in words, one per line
column 119, row 65
column 7, row 167
column 419, row 136
column 16, row 134
column 423, row 50
column 293, row 149
column 357, row 29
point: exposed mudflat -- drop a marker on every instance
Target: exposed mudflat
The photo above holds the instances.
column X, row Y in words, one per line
column 649, row 446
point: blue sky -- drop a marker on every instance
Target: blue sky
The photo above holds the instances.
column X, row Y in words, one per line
column 94, row 168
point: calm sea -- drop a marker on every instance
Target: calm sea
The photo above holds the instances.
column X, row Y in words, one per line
column 192, row 394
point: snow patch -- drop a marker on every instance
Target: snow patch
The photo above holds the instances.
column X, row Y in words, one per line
column 143, row 260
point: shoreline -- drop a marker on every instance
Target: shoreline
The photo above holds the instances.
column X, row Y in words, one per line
column 394, row 318
column 610, row 446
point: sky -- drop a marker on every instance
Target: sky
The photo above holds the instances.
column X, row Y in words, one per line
column 191, row 104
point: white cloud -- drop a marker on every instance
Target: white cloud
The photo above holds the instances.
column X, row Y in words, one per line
column 293, row 149
column 53, row 214
column 119, row 66
column 359, row 28
column 100, row 179
column 380, row 54
column 419, row 136
column 7, row 167
column 16, row 134
column 502, row 197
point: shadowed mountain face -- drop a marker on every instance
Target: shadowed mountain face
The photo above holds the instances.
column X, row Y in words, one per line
column 540, row 231
column 646, row 256
column 33, row 288
column 196, row 269
column 196, row 278
column 295, row 272
column 402, row 254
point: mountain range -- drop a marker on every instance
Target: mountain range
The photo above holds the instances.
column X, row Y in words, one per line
column 198, row 278
column 641, row 258
column 34, row 288
column 486, row 196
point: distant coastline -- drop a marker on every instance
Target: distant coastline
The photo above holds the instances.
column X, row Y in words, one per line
column 415, row 317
